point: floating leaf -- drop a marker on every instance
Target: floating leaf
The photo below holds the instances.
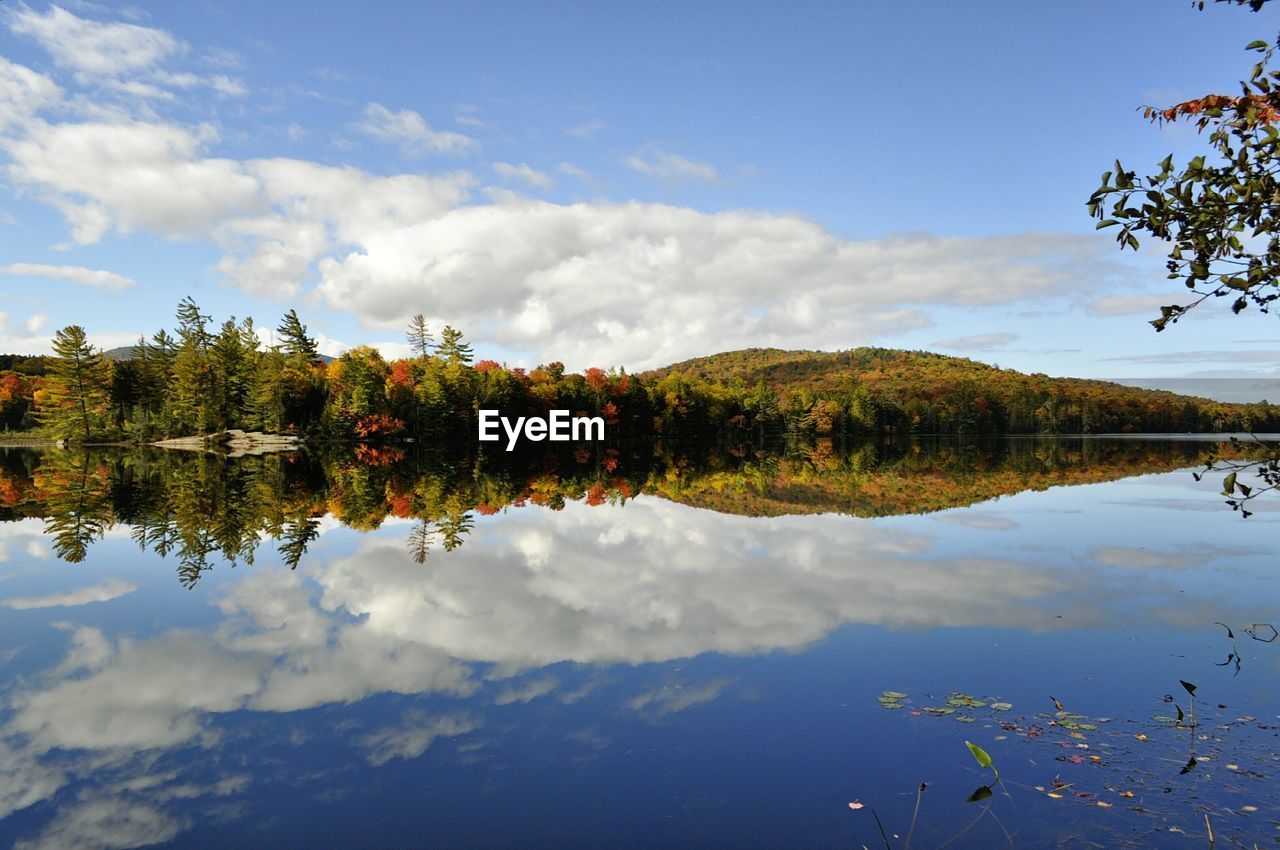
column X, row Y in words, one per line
column 1001, row 706
column 855, row 805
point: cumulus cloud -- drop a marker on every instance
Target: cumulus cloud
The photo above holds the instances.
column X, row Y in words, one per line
column 410, row 132
column 97, row 278
column 112, row 588
column 977, row 342
column 524, row 173
column 656, row 162
column 636, row 284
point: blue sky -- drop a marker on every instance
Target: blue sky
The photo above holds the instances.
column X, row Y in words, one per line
column 608, row 184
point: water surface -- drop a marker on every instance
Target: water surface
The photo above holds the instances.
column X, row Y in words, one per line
column 636, row 648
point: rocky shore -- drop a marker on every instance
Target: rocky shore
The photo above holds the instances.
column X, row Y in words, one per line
column 235, row 443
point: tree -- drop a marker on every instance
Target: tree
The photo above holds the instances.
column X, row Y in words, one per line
column 453, row 348
column 75, row 398
column 419, row 336
column 1220, row 214
column 294, row 340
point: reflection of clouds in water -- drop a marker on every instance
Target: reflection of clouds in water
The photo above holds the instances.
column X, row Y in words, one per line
column 671, row 582
column 653, row 582
column 974, row 519
column 676, row 697
column 105, row 591
column 413, row 735
column 106, row 824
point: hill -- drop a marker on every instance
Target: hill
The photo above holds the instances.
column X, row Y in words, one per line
column 878, row 389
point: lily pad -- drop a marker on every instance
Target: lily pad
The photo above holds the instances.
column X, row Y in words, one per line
column 1001, row 706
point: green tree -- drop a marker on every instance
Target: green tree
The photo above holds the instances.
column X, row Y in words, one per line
column 74, row 402
column 294, row 340
column 453, row 348
column 1219, row 214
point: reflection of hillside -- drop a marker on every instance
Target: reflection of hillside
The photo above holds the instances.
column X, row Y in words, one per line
column 200, row 508
column 871, row 481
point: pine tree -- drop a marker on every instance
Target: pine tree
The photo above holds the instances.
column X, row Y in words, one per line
column 453, row 348
column 294, row 341
column 76, row 391
column 192, row 406
column 419, row 336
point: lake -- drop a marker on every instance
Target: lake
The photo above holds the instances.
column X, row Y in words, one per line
column 641, row 646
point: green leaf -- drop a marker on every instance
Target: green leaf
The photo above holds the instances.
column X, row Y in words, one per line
column 979, row 754
column 1259, row 44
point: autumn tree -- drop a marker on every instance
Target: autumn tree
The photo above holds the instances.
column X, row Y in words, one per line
column 1220, row 213
column 75, row 397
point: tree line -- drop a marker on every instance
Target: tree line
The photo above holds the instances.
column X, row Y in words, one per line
column 203, row 378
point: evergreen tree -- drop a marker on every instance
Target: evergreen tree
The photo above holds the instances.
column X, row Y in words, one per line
column 75, row 397
column 294, row 341
column 192, row 407
column 419, row 336
column 453, row 348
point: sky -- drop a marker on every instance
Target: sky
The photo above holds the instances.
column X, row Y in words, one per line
column 608, row 184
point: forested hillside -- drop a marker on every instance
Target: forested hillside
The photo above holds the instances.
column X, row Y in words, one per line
column 872, row 390
column 205, row 377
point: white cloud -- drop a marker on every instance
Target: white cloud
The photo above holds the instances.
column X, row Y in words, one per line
column 525, row 174
column 23, row 93
column 411, row 132
column 977, row 342
column 1131, row 305
column 97, row 278
column 105, row 591
column 92, row 48
column 646, row 284
column 122, row 175
column 656, row 162
column 120, row 57
column 570, row 170
column 588, row 129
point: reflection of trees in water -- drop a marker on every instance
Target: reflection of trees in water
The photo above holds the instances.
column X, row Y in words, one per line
column 205, row 509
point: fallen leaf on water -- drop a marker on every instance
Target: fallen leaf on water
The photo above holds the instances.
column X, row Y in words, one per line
column 855, row 805
column 1055, row 796
column 1140, row 737
column 1248, row 808
column 1233, row 767
column 1126, row 793
column 1104, row 805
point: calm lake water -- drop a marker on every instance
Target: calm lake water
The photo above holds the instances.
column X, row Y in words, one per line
column 637, row 649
